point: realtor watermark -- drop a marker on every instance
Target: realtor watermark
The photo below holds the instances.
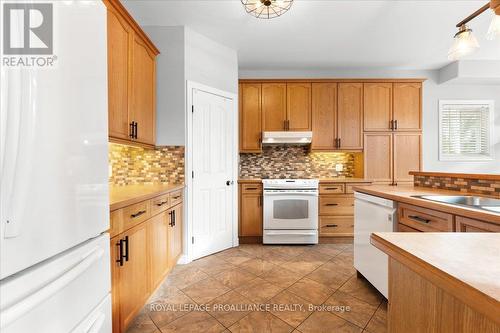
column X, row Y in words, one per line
column 256, row 307
column 28, row 35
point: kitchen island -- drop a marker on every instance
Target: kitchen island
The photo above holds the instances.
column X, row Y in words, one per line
column 442, row 282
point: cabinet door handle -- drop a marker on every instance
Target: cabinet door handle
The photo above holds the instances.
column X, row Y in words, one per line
column 131, row 130
column 331, row 204
column 396, row 124
column 419, row 219
column 120, row 252
column 170, row 214
column 391, row 124
column 173, row 215
column 126, row 248
column 139, row 213
column 331, row 225
column 159, row 204
column 136, row 129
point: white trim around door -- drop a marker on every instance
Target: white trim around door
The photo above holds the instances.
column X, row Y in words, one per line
column 189, row 166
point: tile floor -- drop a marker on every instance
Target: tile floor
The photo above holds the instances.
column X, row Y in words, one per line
column 256, row 288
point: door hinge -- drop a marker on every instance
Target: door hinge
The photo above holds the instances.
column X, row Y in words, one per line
column 192, row 240
column 192, row 174
column 192, row 108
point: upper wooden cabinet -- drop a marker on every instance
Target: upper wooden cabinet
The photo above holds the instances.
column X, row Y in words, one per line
column 324, row 116
column 407, row 156
column 377, row 106
column 274, row 107
column 407, row 107
column 250, row 117
column 350, row 116
column 131, row 79
column 298, row 106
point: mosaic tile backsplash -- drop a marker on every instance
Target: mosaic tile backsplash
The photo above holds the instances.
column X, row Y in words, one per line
column 135, row 165
column 295, row 162
column 478, row 186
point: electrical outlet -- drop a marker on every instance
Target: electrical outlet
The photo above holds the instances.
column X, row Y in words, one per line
column 339, row 167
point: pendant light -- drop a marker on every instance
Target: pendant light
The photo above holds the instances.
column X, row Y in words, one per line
column 464, row 41
column 266, row 9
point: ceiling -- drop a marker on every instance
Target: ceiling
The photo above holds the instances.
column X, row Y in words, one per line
column 325, row 34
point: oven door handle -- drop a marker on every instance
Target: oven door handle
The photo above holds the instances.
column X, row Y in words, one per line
column 281, row 233
column 309, row 194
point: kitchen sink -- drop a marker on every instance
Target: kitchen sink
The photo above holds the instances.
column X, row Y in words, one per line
column 489, row 204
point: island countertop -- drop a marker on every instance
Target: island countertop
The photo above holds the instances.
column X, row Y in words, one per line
column 122, row 196
column 406, row 193
column 466, row 265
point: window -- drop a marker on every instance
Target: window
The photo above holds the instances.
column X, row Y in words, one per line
column 465, row 130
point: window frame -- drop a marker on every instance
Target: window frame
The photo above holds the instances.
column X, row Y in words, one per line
column 461, row 157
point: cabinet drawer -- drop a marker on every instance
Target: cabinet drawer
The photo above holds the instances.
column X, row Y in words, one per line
column 336, row 205
column 348, row 187
column 175, row 198
column 336, row 226
column 135, row 214
column 160, row 204
column 464, row 224
column 116, row 222
column 405, row 228
column 424, row 219
column 251, row 188
column 331, row 188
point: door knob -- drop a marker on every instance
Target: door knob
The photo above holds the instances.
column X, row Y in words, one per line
column 229, row 182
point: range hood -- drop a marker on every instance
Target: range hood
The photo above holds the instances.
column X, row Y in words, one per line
column 277, row 138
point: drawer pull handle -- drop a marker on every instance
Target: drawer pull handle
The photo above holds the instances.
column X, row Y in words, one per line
column 176, row 197
column 331, row 188
column 139, row 213
column 159, row 204
column 331, row 204
column 331, row 225
column 251, row 188
column 419, row 219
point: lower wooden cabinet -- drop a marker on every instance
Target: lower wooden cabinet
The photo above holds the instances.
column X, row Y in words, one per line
column 143, row 251
column 251, row 210
column 464, row 224
column 424, row 219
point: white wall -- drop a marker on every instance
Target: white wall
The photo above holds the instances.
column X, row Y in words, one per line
column 186, row 55
column 432, row 93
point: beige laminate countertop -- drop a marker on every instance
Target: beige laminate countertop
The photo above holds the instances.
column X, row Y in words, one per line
column 122, row 196
column 404, row 193
column 321, row 180
column 466, row 265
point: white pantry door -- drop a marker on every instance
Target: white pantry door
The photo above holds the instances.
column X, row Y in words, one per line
column 212, row 156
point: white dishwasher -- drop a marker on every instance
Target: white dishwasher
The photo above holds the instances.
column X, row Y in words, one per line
column 372, row 214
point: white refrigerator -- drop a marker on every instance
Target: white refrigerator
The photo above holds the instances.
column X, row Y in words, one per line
column 54, row 249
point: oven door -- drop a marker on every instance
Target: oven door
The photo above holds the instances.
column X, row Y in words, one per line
column 286, row 209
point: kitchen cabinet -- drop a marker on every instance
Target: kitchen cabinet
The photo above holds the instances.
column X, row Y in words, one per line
column 464, row 224
column 350, row 116
column 389, row 157
column 250, row 117
column 131, row 263
column 131, row 79
column 407, row 106
column 393, row 106
column 324, row 116
column 146, row 242
column 298, row 106
column 274, row 107
column 175, row 235
column 251, row 202
column 424, row 219
column 377, row 103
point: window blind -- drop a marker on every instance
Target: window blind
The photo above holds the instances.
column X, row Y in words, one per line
column 464, row 131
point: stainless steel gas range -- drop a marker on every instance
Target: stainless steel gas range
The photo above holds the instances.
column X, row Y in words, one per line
column 290, row 211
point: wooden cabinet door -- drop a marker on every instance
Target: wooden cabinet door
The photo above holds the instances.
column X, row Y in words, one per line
column 408, row 106
column 251, row 215
column 324, row 116
column 134, row 281
column 350, row 115
column 464, row 224
column 115, row 284
column 407, row 155
column 119, row 40
column 175, row 235
column 250, row 117
column 298, row 106
column 377, row 106
column 143, row 105
column 273, row 106
column 158, row 241
column 378, row 157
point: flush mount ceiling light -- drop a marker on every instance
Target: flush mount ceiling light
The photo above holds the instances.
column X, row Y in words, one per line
column 267, row 9
column 464, row 41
